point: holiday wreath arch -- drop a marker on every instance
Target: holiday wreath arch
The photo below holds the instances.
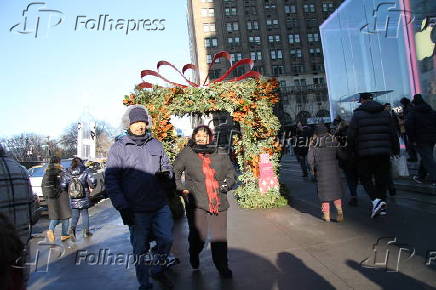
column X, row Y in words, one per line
column 249, row 101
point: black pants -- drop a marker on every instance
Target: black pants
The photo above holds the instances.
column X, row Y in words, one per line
column 375, row 175
column 303, row 162
column 428, row 164
column 200, row 223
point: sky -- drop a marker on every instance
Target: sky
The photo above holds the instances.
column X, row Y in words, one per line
column 47, row 82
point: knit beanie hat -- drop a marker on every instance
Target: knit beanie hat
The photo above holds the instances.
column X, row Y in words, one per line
column 138, row 115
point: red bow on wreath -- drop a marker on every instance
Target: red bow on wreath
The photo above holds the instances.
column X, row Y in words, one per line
column 225, row 54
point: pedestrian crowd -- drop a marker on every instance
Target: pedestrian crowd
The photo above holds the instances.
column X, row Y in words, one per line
column 367, row 151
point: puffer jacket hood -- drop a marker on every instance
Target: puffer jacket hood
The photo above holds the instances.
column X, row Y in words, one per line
column 78, row 170
column 125, row 120
column 371, row 107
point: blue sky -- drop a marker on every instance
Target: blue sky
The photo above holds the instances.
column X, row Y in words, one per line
column 49, row 81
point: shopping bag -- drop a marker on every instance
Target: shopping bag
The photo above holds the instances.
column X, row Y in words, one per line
column 395, row 167
column 403, row 170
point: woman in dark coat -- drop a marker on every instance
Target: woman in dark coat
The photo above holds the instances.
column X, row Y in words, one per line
column 209, row 174
column 323, row 162
column 58, row 201
column 77, row 180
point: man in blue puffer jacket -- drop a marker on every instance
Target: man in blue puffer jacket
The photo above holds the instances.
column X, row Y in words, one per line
column 136, row 173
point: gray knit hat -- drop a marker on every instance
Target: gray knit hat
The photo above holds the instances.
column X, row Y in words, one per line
column 139, row 113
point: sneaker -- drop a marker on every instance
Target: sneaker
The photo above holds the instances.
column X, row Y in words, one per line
column 353, row 202
column 417, row 179
column 383, row 212
column 377, row 206
column 164, row 280
column 64, row 238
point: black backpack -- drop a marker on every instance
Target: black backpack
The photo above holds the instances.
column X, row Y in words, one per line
column 75, row 188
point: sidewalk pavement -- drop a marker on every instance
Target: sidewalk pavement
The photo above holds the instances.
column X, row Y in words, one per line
column 269, row 249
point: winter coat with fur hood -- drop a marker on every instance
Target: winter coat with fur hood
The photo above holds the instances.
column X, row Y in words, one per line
column 130, row 177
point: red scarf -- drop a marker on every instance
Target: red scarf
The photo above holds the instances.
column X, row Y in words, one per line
column 212, row 186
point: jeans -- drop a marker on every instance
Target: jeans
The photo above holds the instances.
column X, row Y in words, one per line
column 375, row 175
column 303, row 162
column 65, row 224
column 427, row 161
column 160, row 225
column 76, row 213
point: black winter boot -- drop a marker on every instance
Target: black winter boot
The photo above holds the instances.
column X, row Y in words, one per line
column 73, row 233
column 219, row 257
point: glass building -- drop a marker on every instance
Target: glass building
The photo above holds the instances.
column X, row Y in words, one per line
column 384, row 47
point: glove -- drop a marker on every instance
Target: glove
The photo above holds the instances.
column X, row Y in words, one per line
column 163, row 176
column 128, row 216
column 224, row 187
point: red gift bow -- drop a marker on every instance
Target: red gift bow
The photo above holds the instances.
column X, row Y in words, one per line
column 186, row 67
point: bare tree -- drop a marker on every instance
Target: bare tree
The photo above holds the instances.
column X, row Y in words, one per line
column 28, row 147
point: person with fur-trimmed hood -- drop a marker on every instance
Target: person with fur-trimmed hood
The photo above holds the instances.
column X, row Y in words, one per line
column 136, row 173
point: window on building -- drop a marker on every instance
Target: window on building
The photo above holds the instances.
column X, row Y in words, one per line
column 210, row 42
column 252, row 25
column 209, row 27
column 326, row 7
column 309, row 8
column 236, row 56
column 282, row 84
column 273, row 38
column 317, row 67
column 232, row 11
column 290, row 9
column 232, row 26
column 208, row 58
column 297, row 69
column 276, row 54
column 207, row 12
column 294, row 38
column 315, row 51
column 270, row 22
column 313, row 37
column 254, row 39
column 269, row 4
column 296, row 53
column 256, row 55
column 277, row 70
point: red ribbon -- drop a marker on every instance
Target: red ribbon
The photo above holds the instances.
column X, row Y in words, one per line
column 221, row 54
